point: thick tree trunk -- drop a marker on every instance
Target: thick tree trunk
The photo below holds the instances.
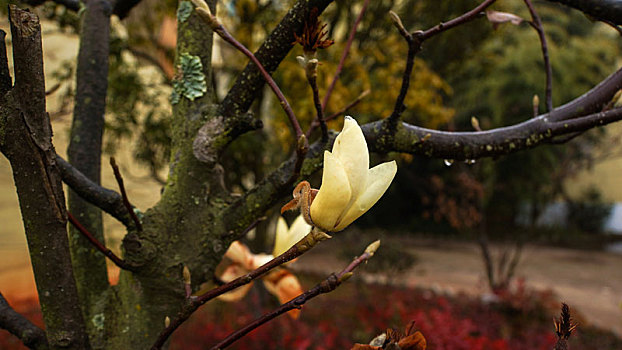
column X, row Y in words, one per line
column 26, row 140
column 184, row 228
column 84, row 153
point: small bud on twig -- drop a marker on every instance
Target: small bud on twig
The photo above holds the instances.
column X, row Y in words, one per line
column 536, row 104
column 186, row 274
column 371, row 249
column 187, row 281
column 346, row 276
column 397, row 22
column 311, row 239
column 475, row 123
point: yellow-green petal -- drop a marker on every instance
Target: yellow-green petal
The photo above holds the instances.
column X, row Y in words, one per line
column 285, row 238
column 333, row 196
column 378, row 180
column 350, row 148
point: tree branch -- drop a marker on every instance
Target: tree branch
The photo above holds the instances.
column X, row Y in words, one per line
column 39, row 188
column 326, row 286
column 440, row 144
column 85, row 145
column 604, row 10
column 31, row 335
column 219, row 29
column 270, row 54
column 272, row 188
column 344, row 55
column 473, row 145
column 97, row 244
column 108, row 200
column 193, row 303
column 126, row 200
column 414, row 46
column 536, row 23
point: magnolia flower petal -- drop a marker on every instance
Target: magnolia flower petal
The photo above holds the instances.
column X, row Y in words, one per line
column 285, row 286
column 230, row 273
column 239, row 254
column 379, row 179
column 334, row 194
column 280, row 237
column 351, row 149
column 285, row 239
column 259, row 260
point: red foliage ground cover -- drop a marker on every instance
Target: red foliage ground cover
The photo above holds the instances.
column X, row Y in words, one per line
column 518, row 320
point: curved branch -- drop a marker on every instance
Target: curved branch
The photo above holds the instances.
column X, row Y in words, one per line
column 604, row 10
column 270, row 54
column 107, row 200
column 31, row 335
column 479, row 144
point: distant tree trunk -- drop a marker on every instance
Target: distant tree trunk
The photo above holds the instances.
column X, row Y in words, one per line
column 84, row 153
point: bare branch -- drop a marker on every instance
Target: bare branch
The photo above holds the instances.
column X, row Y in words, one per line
column 536, row 23
column 464, row 18
column 85, row 145
column 343, row 109
column 108, row 200
column 194, row 303
column 270, row 54
column 39, row 188
column 344, row 55
column 302, row 144
column 603, row 10
column 326, row 286
column 473, row 145
column 414, row 46
column 311, row 73
column 16, row 324
column 97, row 244
column 126, row 201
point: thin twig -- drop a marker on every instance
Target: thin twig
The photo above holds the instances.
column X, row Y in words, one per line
column 193, row 303
column 219, row 29
column 344, row 109
column 126, row 201
column 344, row 55
column 536, row 23
column 326, row 286
column 302, row 145
column 466, row 17
column 311, row 73
column 415, row 40
column 107, row 252
column 414, row 46
column 108, row 200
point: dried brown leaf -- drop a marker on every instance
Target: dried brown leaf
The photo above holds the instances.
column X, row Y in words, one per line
column 497, row 18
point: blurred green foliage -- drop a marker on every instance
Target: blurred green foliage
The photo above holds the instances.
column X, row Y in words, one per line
column 470, row 71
